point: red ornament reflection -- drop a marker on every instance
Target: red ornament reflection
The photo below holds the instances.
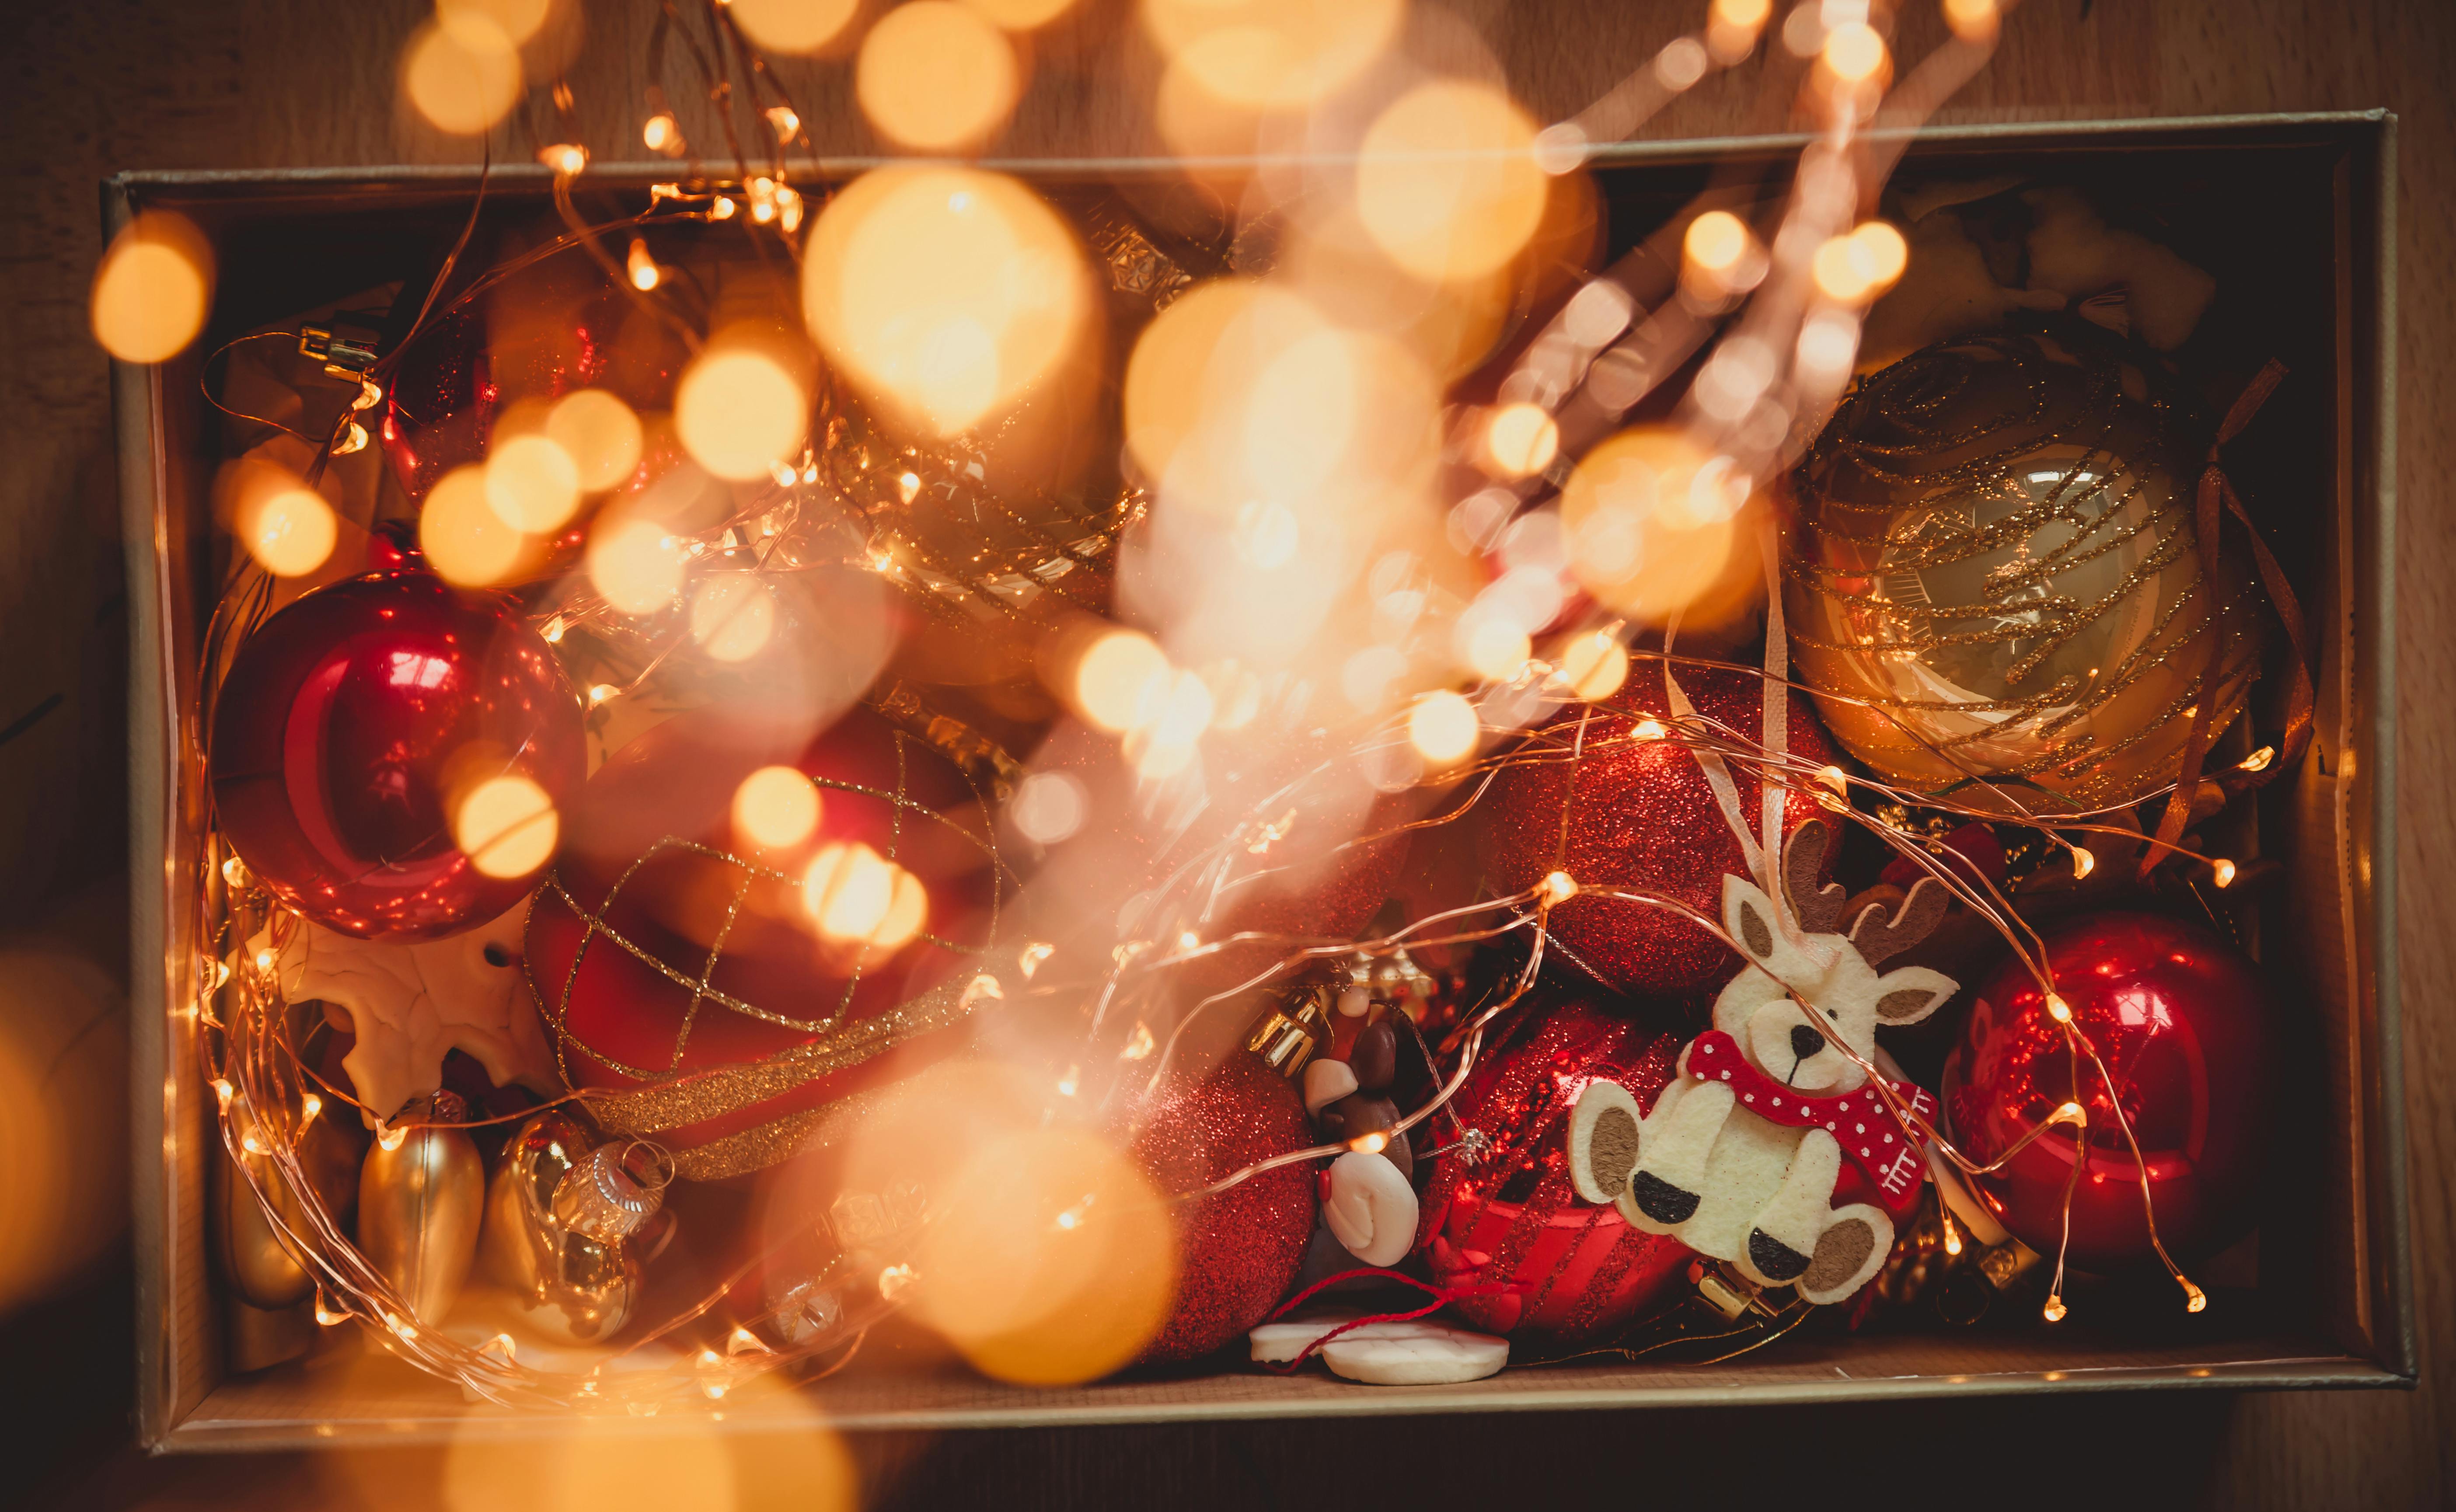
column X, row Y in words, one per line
column 2184, row 1027
column 1567, row 1270
column 351, row 721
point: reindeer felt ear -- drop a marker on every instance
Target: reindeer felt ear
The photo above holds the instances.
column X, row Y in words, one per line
column 1908, row 994
column 1750, row 918
column 1816, row 906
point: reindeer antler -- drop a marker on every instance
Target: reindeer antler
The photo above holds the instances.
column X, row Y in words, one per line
column 1878, row 937
column 1818, row 909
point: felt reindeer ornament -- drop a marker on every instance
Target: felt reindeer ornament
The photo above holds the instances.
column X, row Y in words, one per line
column 1769, row 1149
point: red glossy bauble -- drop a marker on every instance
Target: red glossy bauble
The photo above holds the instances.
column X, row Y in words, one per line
column 1236, row 1251
column 1569, row 1271
column 540, row 333
column 1638, row 814
column 350, row 727
column 2186, row 1029
column 652, row 855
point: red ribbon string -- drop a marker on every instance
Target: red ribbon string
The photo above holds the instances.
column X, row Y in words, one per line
column 1441, row 1297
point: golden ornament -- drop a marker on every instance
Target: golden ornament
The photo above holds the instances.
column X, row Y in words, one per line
column 1993, row 576
column 262, row 1266
column 420, row 1205
column 557, row 1212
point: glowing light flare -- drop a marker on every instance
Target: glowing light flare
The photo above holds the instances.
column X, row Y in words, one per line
column 506, row 825
column 480, row 22
column 2053, row 1311
column 1119, row 677
column 1021, row 15
column 289, row 530
column 1732, row 27
column 1272, row 54
column 1852, row 53
column 1828, row 343
column 566, row 158
column 1647, row 729
column 1594, row 664
column 601, row 435
column 1048, row 807
column 1654, row 526
column 642, row 268
column 660, row 132
column 1173, row 714
column 739, row 412
column 733, row 615
column 2222, row 873
column 1491, row 646
column 947, row 292
column 467, row 543
column 775, row 809
column 1855, row 268
column 634, row 562
column 2258, row 761
column 799, row 26
column 1028, row 1297
column 2057, row 1009
column 2083, row 863
column 1520, row 440
column 1446, row 181
column 1443, row 726
column 532, row 483
column 2195, row 1301
column 462, row 78
column 152, row 288
column 1974, row 21
column 1716, row 243
column 858, row 897
column 935, row 76
column 1559, row 888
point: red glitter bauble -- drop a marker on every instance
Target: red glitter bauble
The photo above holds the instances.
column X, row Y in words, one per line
column 2185, row 1027
column 1509, row 1216
column 655, row 894
column 350, row 727
column 539, row 333
column 1639, row 814
column 1238, row 1250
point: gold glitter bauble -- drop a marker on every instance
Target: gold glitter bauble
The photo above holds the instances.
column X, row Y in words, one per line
column 1993, row 575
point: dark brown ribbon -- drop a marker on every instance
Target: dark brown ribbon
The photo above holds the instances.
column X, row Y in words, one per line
column 2216, row 496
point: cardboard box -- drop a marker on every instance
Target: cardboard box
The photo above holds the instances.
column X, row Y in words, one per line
column 2307, row 204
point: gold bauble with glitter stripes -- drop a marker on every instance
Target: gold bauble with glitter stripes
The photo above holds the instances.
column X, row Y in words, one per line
column 1994, row 579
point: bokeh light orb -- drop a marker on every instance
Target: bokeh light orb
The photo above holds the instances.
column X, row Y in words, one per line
column 801, row 27
column 937, row 76
column 1447, row 180
column 740, row 410
column 152, row 289
column 1273, row 55
column 461, row 77
column 944, row 293
column 1657, row 526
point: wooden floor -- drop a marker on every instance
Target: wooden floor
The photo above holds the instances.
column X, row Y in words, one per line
column 95, row 86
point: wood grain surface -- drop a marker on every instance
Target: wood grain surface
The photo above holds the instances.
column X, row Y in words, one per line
column 92, row 87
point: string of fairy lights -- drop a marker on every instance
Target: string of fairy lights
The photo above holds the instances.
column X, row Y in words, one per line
column 1784, row 311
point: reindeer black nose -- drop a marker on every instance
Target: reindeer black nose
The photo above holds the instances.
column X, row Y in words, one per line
column 1805, row 1041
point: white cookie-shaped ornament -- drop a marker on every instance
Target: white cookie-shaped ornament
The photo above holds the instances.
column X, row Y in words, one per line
column 410, row 1004
column 1418, row 1353
column 1409, row 1352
